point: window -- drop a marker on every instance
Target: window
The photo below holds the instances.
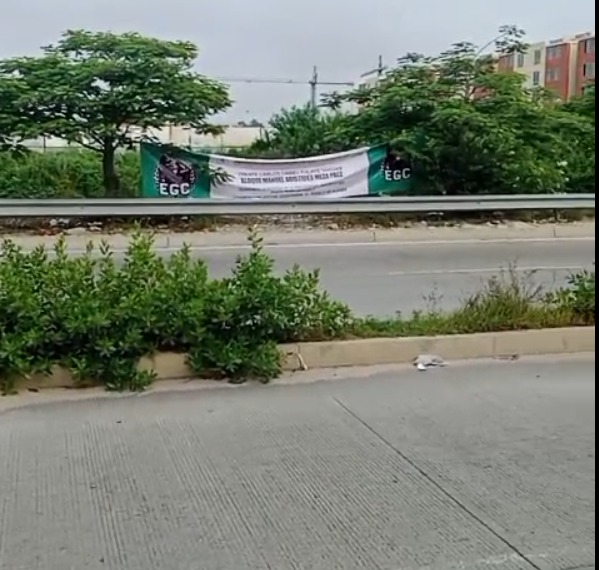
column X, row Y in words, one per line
column 588, row 70
column 520, row 60
column 538, row 56
column 536, row 78
column 552, row 74
column 554, row 52
column 589, row 45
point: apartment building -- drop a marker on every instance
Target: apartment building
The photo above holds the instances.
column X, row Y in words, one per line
column 585, row 63
column 564, row 66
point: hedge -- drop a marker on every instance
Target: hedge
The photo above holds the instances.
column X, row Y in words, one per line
column 97, row 317
column 63, row 174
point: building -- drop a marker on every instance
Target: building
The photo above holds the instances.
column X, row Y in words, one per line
column 531, row 64
column 370, row 79
column 564, row 66
column 585, row 63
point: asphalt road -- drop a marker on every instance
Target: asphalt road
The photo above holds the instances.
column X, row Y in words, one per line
column 401, row 271
column 477, row 466
column 381, row 279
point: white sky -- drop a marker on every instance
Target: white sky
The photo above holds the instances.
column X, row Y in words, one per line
column 286, row 38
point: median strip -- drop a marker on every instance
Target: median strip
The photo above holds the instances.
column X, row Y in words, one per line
column 88, row 320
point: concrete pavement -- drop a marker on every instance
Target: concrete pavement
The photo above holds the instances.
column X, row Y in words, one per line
column 400, row 270
column 476, row 466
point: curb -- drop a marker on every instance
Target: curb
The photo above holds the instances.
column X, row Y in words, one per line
column 78, row 238
column 375, row 351
column 452, row 347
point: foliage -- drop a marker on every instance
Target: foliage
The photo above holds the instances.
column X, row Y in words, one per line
column 97, row 89
column 585, row 104
column 578, row 297
column 9, row 121
column 300, row 132
column 63, row 174
column 508, row 301
column 97, row 316
column 467, row 127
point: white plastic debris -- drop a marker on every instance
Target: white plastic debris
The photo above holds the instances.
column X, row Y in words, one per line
column 426, row 361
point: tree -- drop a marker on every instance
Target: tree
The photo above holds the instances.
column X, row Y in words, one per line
column 583, row 105
column 467, row 127
column 301, row 132
column 580, row 139
column 457, row 118
column 9, row 116
column 104, row 91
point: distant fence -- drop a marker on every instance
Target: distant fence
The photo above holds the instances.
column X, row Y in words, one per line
column 233, row 137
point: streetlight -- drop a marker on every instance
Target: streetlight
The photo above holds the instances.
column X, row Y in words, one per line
column 491, row 42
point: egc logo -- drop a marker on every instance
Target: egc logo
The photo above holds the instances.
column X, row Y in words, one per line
column 395, row 167
column 174, row 177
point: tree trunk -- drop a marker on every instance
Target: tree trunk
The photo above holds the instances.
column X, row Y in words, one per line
column 112, row 183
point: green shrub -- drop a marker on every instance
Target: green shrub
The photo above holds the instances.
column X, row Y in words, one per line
column 63, row 174
column 577, row 298
column 98, row 317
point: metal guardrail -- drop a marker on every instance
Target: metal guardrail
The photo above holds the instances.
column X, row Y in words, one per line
column 146, row 207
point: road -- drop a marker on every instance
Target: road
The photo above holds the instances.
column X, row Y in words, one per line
column 477, row 466
column 425, row 269
column 386, row 278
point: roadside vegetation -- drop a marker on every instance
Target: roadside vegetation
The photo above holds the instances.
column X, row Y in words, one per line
column 97, row 317
column 466, row 127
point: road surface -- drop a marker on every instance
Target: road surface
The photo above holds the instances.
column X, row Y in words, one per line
column 478, row 466
column 400, row 274
column 388, row 278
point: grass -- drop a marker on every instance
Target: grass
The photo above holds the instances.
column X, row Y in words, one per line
column 506, row 302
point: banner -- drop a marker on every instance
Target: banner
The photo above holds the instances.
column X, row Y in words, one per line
column 177, row 173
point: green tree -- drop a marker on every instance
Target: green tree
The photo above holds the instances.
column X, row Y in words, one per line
column 584, row 105
column 301, row 132
column 579, row 137
column 9, row 115
column 99, row 89
column 459, row 120
column 467, row 127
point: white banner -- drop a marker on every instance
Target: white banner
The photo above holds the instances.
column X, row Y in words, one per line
column 329, row 176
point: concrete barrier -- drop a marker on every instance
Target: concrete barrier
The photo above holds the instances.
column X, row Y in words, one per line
column 366, row 352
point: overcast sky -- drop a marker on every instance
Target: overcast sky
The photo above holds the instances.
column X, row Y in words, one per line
column 284, row 39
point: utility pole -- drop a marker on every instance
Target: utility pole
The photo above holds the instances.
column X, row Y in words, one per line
column 381, row 67
column 379, row 70
column 314, row 88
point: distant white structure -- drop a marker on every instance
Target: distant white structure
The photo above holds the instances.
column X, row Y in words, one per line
column 233, row 137
column 371, row 79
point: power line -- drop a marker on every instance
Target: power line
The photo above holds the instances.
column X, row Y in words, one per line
column 282, row 81
column 314, row 82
